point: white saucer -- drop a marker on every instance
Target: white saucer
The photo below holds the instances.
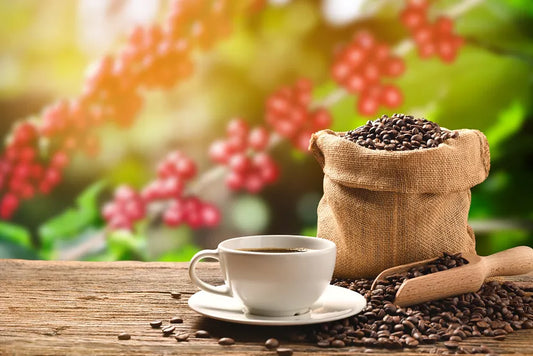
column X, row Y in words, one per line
column 336, row 303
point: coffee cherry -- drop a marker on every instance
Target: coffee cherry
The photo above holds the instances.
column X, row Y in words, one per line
column 8, row 205
column 289, row 114
column 365, row 62
column 243, row 152
column 431, row 38
column 126, row 208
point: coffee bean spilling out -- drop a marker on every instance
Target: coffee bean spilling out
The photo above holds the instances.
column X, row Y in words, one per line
column 124, row 336
column 400, row 133
column 495, row 310
column 182, row 337
column 175, row 295
column 226, row 341
column 284, row 351
column 156, row 324
column 168, row 330
column 203, row 334
column 272, row 343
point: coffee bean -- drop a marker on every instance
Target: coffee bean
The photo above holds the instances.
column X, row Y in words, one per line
column 168, row 330
column 226, row 341
column 176, row 320
column 411, row 342
column 124, row 336
column 202, row 334
column 482, row 324
column 156, row 324
column 323, row 343
column 455, row 338
column 459, row 333
column 284, row 351
column 273, row 344
column 452, row 345
column 338, row 343
column 182, row 337
column 499, row 332
column 175, row 295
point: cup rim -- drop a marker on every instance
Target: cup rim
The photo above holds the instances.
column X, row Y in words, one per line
column 330, row 245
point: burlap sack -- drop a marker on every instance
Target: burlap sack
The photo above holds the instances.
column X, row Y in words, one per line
column 386, row 208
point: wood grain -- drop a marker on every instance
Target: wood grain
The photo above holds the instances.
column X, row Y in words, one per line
column 60, row 308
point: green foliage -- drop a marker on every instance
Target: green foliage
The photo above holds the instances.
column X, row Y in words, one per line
column 15, row 234
column 70, row 223
column 508, row 123
column 184, row 253
column 15, row 242
column 125, row 245
column 309, row 231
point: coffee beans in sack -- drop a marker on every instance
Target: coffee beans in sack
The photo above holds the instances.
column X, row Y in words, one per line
column 397, row 190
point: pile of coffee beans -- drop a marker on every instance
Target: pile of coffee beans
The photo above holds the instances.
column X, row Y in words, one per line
column 495, row 310
column 400, row 133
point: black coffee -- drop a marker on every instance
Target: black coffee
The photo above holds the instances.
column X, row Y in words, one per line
column 275, row 249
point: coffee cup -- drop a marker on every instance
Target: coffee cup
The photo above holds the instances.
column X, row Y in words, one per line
column 272, row 275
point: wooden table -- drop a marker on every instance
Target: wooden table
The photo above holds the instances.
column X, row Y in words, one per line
column 55, row 308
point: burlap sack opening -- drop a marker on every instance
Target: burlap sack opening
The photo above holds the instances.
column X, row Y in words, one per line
column 386, row 208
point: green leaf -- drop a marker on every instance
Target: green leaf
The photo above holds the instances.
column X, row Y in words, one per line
column 182, row 254
column 509, row 121
column 309, row 231
column 15, row 234
column 126, row 245
column 73, row 221
column 502, row 240
column 522, row 6
column 88, row 199
column 9, row 249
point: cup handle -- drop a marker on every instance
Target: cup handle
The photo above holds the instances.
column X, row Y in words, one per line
column 222, row 289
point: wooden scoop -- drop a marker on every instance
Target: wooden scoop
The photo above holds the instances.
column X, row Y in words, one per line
column 459, row 280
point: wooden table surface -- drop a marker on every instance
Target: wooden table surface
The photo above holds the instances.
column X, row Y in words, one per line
column 55, row 308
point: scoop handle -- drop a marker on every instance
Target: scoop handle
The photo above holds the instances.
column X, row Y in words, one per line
column 516, row 260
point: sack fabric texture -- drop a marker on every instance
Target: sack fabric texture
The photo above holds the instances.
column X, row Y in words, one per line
column 386, row 208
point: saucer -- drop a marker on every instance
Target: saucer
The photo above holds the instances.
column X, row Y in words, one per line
column 336, row 303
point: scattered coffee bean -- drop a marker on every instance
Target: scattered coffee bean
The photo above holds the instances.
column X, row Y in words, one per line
column 168, row 330
column 176, row 320
column 175, row 295
column 156, row 324
column 124, row 336
column 226, row 341
column 202, row 334
column 400, row 133
column 499, row 337
column 182, row 337
column 282, row 351
column 272, row 344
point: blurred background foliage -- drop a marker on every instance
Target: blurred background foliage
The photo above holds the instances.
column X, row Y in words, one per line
column 46, row 47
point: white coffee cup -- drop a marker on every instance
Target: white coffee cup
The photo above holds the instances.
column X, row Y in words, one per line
column 267, row 283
